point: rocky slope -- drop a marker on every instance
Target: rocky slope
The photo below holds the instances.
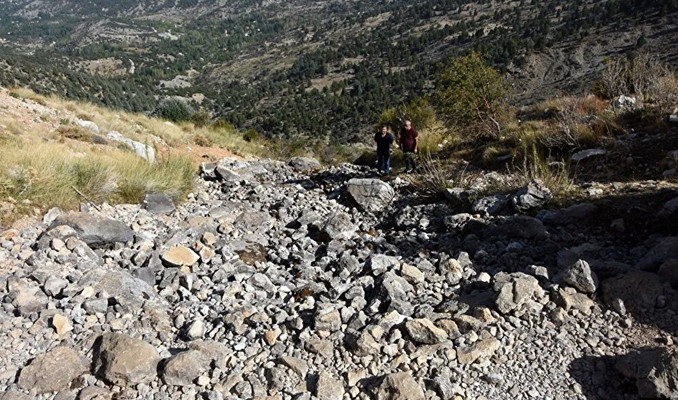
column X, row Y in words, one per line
column 281, row 281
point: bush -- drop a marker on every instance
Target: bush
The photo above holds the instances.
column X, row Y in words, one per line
column 174, row 109
column 644, row 76
column 418, row 111
column 201, row 119
column 250, row 135
column 222, row 123
column 471, row 95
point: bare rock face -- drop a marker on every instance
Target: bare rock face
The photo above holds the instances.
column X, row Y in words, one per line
column 123, row 360
column 399, row 386
column 654, row 370
column 52, row 371
column 371, row 195
column 96, row 231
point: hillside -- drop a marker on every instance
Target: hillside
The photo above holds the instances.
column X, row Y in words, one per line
column 55, row 152
column 313, row 68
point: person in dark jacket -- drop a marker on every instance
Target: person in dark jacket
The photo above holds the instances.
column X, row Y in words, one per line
column 409, row 144
column 384, row 139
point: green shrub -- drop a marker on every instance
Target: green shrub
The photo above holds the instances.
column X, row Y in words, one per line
column 471, row 96
column 174, row 109
column 251, row 135
column 201, row 119
column 223, row 123
column 418, row 111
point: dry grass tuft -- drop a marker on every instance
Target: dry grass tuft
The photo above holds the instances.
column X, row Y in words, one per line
column 44, row 175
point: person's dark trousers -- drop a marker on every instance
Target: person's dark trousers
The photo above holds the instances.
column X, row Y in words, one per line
column 384, row 161
column 410, row 161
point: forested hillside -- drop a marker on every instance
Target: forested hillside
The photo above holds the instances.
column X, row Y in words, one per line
column 316, row 68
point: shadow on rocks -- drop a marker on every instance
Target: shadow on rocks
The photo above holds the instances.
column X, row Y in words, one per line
column 599, row 379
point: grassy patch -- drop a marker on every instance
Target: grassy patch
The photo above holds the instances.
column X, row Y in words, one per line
column 45, row 175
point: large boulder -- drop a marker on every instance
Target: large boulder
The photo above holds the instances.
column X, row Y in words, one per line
column 96, row 231
column 328, row 387
column 638, row 290
column 180, row 256
column 478, row 351
column 654, row 370
column 118, row 285
column 396, row 291
column 370, row 195
column 533, row 196
column 337, row 226
column 123, row 360
column 142, row 150
column 158, row 203
column 666, row 249
column 304, row 164
column 52, row 371
column 514, row 290
column 399, row 386
column 580, row 277
column 184, row 368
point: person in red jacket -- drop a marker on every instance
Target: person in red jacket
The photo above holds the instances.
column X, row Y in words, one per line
column 409, row 144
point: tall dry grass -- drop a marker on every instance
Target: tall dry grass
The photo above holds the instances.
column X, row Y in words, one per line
column 44, row 175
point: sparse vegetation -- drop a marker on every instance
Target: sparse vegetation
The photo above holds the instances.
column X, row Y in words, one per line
column 44, row 175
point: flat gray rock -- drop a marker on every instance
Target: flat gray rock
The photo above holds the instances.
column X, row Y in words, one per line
column 95, row 230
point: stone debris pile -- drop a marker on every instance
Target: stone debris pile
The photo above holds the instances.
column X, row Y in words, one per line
column 290, row 281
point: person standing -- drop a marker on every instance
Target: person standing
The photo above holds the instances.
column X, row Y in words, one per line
column 384, row 139
column 409, row 144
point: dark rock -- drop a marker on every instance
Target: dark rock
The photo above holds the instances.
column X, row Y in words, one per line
column 491, row 205
column 579, row 276
column 158, row 203
column 638, row 290
column 533, row 196
column 654, row 370
column 570, row 215
column 96, row 231
column 666, row 249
